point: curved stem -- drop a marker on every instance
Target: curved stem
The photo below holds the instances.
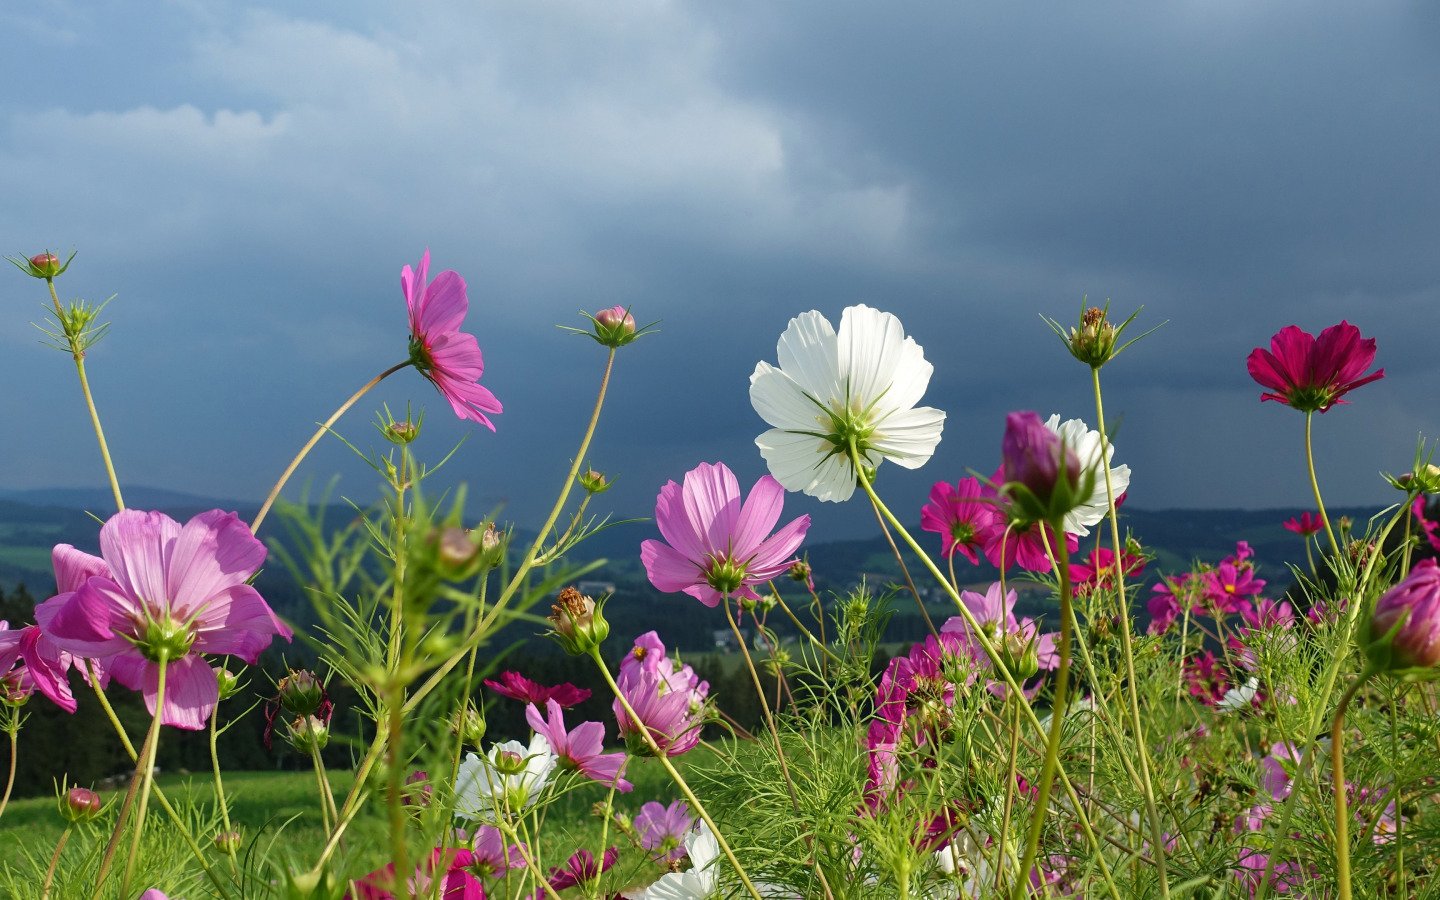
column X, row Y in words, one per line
column 78, row 353
column 1337, row 778
column 674, row 774
column 1157, row 839
column 227, row 846
column 54, row 863
column 1057, row 721
column 315, row 439
column 1315, row 486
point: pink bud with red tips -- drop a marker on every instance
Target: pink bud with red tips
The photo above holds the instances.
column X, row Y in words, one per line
column 1404, row 633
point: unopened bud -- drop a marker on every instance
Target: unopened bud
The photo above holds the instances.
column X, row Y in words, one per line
column 301, row 692
column 1425, row 480
column 308, row 734
column 227, row 681
column 1404, row 632
column 614, row 327
column 594, row 482
column 469, row 726
column 16, row 687
column 1019, row 657
column 417, row 790
column 456, row 552
column 228, row 842
column 81, row 805
column 492, row 547
column 800, row 571
column 42, row 265
column 1094, row 341
column 400, row 433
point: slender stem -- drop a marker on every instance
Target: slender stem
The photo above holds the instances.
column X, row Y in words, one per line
column 315, row 439
column 1405, row 559
column 809, row 635
column 1133, row 694
column 1315, row 486
column 78, row 353
column 1337, row 778
column 180, row 824
column 520, row 847
column 905, row 570
column 1057, row 721
column 674, row 774
column 322, row 784
column 146, row 773
column 1009, row 794
column 54, row 863
column 227, row 845
column 14, row 732
column 399, row 658
column 993, row 655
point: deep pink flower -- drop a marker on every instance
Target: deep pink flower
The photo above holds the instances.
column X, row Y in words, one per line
column 175, row 590
column 1311, row 374
column 45, row 665
column 581, row 747
column 580, row 868
column 1228, row 586
column 1404, row 631
column 1099, row 569
column 439, row 350
column 1165, row 605
column 1427, row 526
column 717, row 546
column 1006, row 544
column 459, row 883
column 670, row 710
column 662, row 829
column 960, row 514
column 1306, row 525
column 518, row 687
column 1206, row 678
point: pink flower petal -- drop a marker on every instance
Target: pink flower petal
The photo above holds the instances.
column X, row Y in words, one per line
column 214, row 552
column 73, row 567
column 758, row 516
column 239, row 623
column 136, row 545
column 711, row 497
column 666, row 568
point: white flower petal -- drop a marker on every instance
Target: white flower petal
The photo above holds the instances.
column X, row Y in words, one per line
column 871, row 344
column 807, row 353
column 803, row 462
column 1085, row 443
column 908, row 438
column 782, row 402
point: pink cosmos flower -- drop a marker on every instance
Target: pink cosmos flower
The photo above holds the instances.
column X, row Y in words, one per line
column 1006, row 545
column 1230, row 585
column 44, row 664
column 718, row 547
column 1404, row 630
column 1427, row 526
column 580, row 747
column 1308, row 373
column 459, row 883
column 492, row 856
column 1098, row 571
column 961, row 515
column 669, row 703
column 662, row 829
column 1306, row 525
column 1165, row 605
column 439, row 350
column 173, row 591
column 518, row 687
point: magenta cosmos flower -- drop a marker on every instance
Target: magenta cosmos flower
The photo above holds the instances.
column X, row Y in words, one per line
column 172, row 592
column 439, row 350
column 961, row 514
column 717, row 546
column 1309, row 373
column 518, row 687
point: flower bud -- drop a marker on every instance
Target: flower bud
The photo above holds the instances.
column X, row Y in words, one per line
column 579, row 625
column 800, row 571
column 227, row 681
column 469, row 726
column 42, row 265
column 1019, row 656
column 418, row 791
column 228, row 842
column 301, row 692
column 1093, row 342
column 1404, row 632
column 614, row 327
column 1041, row 473
column 456, row 552
column 594, row 482
column 1424, row 480
column 307, row 734
column 400, row 433
column 81, row 805
column 492, row 547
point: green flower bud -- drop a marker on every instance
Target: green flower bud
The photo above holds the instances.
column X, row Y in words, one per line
column 228, row 842
column 577, row 623
column 81, row 805
column 594, row 482
column 227, row 681
column 307, row 734
column 301, row 692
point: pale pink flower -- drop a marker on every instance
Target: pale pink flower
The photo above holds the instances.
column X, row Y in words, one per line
column 579, row 748
column 662, row 829
column 173, row 591
column 718, row 546
column 439, row 350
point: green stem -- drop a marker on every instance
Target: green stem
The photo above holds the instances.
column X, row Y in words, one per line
column 146, row 773
column 1057, row 721
column 1315, row 486
column 1157, row 839
column 994, row 656
column 54, row 864
column 227, row 846
column 1009, row 794
column 674, row 774
column 14, row 732
column 1337, row 778
column 78, row 353
column 180, row 824
column 322, row 784
column 315, row 439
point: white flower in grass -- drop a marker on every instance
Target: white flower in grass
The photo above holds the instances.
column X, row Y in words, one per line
column 860, row 384
column 1085, row 442
column 699, row 882
column 509, row 779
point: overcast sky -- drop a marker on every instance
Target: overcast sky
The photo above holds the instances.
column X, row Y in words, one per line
column 249, row 178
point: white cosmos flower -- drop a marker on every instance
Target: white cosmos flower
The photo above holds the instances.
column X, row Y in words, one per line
column 509, row 779
column 1239, row 697
column 861, row 384
column 1085, row 442
column 699, row 882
